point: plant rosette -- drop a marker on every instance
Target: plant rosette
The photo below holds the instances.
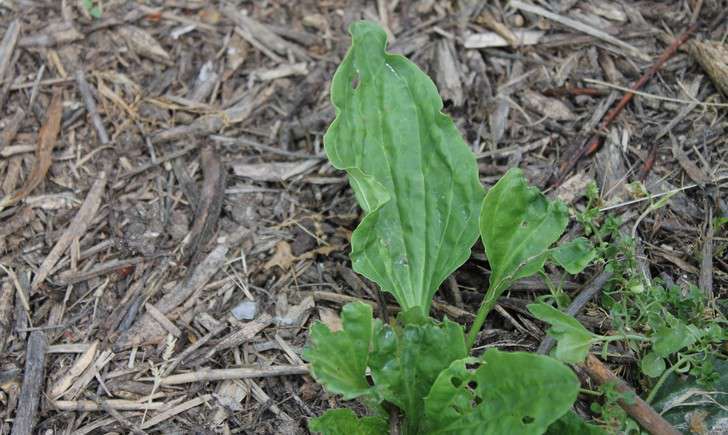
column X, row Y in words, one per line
column 424, row 207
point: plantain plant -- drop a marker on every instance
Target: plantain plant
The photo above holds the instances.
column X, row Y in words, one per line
column 424, row 207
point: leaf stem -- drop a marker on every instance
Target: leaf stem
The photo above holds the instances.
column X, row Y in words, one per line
column 663, row 378
column 609, row 338
column 485, row 307
column 590, row 392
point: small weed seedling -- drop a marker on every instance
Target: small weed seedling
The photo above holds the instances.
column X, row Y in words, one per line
column 93, row 8
column 670, row 329
column 424, row 207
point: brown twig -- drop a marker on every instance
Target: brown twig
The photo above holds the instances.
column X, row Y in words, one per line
column 706, row 265
column 180, row 359
column 8, row 57
column 75, row 230
column 116, row 415
column 208, row 208
column 235, row 373
column 242, row 335
column 85, row 90
column 593, row 144
column 573, row 91
column 33, row 379
column 7, row 296
column 7, row 136
column 116, row 404
column 647, row 417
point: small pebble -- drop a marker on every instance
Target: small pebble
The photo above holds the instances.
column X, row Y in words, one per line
column 245, row 310
column 517, row 20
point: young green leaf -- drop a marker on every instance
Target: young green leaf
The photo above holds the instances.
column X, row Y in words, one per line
column 344, row 422
column 518, row 225
column 514, row 392
column 572, row 424
column 91, row 8
column 652, row 365
column 575, row 255
column 339, row 359
column 572, row 339
column 673, row 337
column 406, row 361
column 413, row 175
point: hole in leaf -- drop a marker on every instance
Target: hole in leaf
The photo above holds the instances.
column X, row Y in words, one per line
column 355, row 81
column 478, row 400
column 472, row 366
column 527, row 419
column 472, row 385
column 456, row 382
column 524, row 224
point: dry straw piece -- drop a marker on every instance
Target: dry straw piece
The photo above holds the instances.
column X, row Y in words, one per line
column 713, row 57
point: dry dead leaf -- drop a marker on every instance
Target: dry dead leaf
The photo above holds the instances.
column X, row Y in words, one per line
column 713, row 57
column 209, row 15
column 447, row 74
column 296, row 315
column 235, row 54
column 78, row 367
column 492, row 39
column 330, row 318
column 43, row 155
column 697, row 421
column 679, row 262
column 283, row 257
column 549, row 107
column 273, row 171
column 228, row 396
column 143, row 43
column 322, row 250
column 573, row 188
column 693, row 170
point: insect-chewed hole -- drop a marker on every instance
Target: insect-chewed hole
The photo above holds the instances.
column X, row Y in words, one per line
column 524, row 224
column 477, row 400
column 456, row 382
column 472, row 385
column 472, row 366
column 527, row 419
column 355, row 81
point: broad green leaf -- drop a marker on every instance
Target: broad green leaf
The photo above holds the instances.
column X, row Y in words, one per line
column 518, row 392
column 673, row 337
column 412, row 173
column 652, row 365
column 575, row 255
column 339, row 359
column 573, row 340
column 572, row 424
column 344, row 422
column 406, row 361
column 518, row 225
